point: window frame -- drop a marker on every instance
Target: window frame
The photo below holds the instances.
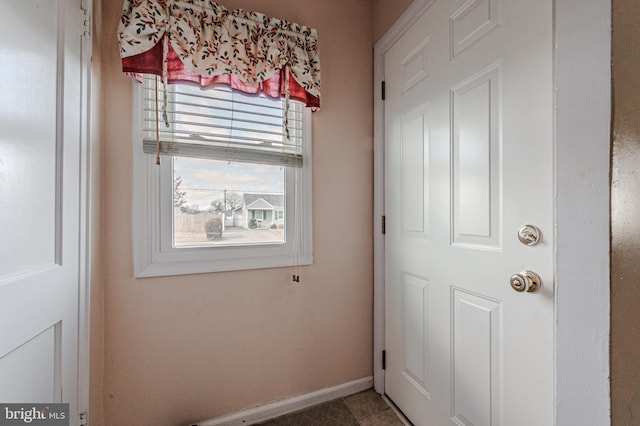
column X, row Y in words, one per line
column 153, row 251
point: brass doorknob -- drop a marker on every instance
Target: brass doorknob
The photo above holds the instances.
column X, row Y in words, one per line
column 526, row 281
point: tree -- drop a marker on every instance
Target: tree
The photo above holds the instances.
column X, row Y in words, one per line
column 230, row 202
column 179, row 195
column 233, row 201
column 192, row 209
column 216, row 206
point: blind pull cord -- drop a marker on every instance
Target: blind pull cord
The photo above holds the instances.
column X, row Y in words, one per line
column 165, row 78
column 297, row 216
column 165, row 116
column 233, row 110
column 287, row 96
column 297, row 225
column 157, row 125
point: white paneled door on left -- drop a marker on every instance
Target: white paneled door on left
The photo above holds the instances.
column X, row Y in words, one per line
column 40, row 134
column 468, row 162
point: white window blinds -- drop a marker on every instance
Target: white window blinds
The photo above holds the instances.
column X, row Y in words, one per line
column 220, row 124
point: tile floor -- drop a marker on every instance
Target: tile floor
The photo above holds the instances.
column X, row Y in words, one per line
column 362, row 409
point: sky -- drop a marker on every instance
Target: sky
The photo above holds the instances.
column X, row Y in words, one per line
column 205, row 180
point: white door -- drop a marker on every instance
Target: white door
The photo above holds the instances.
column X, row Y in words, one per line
column 40, row 133
column 468, row 161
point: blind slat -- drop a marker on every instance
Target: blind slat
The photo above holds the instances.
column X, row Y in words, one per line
column 224, row 141
column 221, row 138
column 150, row 126
column 223, row 125
column 224, row 153
column 212, row 96
column 221, row 108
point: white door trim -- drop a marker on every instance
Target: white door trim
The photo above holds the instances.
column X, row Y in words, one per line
column 87, row 178
column 582, row 166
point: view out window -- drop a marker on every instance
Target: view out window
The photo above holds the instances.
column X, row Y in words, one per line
column 232, row 191
column 226, row 203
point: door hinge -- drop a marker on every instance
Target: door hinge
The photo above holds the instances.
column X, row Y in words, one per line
column 384, row 90
column 384, row 225
column 384, row 360
column 83, row 418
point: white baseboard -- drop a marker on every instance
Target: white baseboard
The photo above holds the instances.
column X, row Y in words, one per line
column 289, row 405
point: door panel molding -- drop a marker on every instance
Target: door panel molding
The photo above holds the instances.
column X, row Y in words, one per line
column 415, row 295
column 477, row 352
column 471, row 22
column 477, row 202
column 415, row 129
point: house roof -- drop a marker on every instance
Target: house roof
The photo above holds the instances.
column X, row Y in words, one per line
column 260, row 204
column 273, row 200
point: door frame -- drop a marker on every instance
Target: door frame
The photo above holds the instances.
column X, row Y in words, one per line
column 88, row 205
column 582, row 74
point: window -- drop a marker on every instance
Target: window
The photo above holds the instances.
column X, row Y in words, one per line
column 232, row 191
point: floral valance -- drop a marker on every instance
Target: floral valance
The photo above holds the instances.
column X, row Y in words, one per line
column 200, row 41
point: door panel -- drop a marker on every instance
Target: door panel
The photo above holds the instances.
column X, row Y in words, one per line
column 476, row 162
column 29, row 136
column 416, row 64
column 415, row 174
column 40, row 67
column 31, row 372
column 472, row 21
column 477, row 369
column 415, row 301
column 468, row 160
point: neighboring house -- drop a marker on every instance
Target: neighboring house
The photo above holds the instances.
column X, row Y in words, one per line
column 235, row 218
column 265, row 209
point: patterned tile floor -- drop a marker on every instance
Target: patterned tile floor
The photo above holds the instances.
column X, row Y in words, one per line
column 362, row 409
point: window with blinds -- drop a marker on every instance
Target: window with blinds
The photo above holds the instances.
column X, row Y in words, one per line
column 229, row 175
column 220, row 124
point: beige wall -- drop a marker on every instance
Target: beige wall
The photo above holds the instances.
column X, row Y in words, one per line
column 96, row 335
column 625, row 215
column 180, row 349
column 385, row 14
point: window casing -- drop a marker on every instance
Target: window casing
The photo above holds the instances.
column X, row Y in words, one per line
column 156, row 254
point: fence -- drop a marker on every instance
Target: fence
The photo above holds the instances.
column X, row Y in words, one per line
column 184, row 222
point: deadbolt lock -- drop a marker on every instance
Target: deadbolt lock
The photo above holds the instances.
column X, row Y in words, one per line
column 529, row 235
